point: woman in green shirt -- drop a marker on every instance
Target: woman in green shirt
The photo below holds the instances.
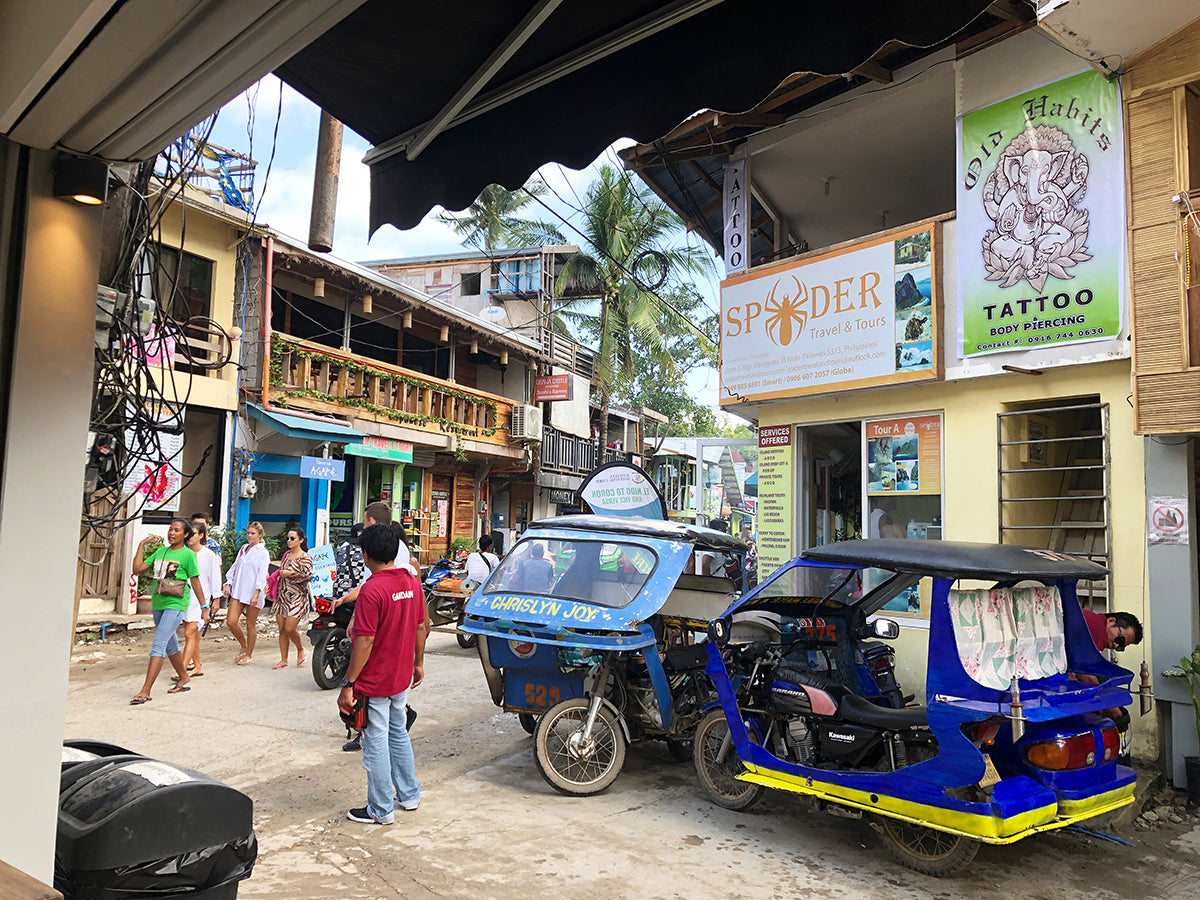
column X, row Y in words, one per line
column 176, row 573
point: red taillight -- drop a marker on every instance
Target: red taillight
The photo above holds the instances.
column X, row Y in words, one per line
column 881, row 662
column 1076, row 752
column 983, row 734
column 1111, row 740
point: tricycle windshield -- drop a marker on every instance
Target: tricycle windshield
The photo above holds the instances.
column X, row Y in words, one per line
column 841, row 586
column 603, row 573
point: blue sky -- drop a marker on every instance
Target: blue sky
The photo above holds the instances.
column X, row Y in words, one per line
column 277, row 126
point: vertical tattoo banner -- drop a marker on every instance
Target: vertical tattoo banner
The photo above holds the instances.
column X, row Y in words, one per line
column 1041, row 218
column 736, row 213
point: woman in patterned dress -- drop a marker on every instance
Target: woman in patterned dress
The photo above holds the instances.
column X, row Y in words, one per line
column 292, row 601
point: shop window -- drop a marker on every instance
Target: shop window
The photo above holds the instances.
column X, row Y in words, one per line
column 904, row 491
column 1052, row 459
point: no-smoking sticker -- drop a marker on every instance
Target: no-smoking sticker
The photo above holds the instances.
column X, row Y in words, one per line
column 1168, row 520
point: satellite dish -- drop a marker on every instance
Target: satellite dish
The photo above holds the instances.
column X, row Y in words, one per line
column 493, row 314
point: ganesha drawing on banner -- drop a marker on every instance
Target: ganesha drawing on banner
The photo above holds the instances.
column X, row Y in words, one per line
column 1033, row 199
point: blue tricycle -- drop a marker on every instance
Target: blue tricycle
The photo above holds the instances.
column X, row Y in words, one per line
column 593, row 632
column 1016, row 735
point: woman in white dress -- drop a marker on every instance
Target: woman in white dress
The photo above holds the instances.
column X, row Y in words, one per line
column 197, row 612
column 246, row 589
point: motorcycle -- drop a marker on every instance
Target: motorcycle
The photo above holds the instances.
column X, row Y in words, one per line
column 590, row 628
column 331, row 644
column 446, row 593
column 1007, row 744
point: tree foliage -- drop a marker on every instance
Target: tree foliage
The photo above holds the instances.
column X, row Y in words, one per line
column 496, row 219
column 613, row 291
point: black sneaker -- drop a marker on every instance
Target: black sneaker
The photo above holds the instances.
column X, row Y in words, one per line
column 361, row 815
column 411, row 715
column 353, row 745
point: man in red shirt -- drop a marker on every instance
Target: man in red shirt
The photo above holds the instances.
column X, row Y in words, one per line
column 387, row 657
column 1114, row 631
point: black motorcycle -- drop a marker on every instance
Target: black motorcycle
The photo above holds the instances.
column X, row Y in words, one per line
column 805, row 697
column 331, row 643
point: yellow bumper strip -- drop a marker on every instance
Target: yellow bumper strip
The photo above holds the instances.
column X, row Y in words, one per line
column 986, row 828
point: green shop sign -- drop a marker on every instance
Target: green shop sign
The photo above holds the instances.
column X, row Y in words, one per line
column 1041, row 218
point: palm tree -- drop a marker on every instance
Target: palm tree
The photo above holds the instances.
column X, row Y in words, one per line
column 493, row 220
column 628, row 252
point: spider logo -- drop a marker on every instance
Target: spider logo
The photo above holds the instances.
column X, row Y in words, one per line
column 787, row 316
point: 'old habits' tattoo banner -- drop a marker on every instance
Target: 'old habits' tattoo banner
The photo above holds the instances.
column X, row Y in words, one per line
column 1041, row 218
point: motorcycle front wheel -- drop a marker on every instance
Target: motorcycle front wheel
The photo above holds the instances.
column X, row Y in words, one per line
column 926, row 850
column 718, row 765
column 466, row 641
column 329, row 660
column 570, row 764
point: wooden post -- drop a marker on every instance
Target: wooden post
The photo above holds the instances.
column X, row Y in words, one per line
column 325, row 184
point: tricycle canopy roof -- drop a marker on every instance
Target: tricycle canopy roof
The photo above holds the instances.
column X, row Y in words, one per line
column 956, row 559
column 703, row 538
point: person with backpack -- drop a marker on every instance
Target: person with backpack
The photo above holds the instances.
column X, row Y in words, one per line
column 482, row 562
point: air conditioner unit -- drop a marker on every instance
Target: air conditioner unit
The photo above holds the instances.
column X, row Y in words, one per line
column 526, row 423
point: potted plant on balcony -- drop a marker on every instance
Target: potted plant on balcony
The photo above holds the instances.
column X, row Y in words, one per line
column 1188, row 671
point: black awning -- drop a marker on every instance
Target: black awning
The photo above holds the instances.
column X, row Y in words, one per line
column 388, row 69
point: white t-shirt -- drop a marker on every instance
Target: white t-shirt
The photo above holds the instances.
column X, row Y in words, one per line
column 481, row 565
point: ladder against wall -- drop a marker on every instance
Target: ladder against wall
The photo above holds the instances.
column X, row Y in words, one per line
column 1054, row 485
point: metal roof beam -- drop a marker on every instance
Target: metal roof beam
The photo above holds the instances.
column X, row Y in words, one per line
column 516, row 39
column 597, row 50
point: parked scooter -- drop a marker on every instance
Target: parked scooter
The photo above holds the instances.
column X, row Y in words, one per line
column 446, row 592
column 331, row 644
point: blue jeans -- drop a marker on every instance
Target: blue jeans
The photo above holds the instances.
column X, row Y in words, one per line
column 166, row 622
column 387, row 756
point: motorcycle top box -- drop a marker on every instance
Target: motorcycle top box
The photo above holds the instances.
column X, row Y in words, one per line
column 592, row 632
column 1015, row 736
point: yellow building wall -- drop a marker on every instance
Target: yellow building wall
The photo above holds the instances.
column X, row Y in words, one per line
column 207, row 232
column 970, row 473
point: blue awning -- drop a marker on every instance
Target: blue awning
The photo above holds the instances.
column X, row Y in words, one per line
column 308, row 429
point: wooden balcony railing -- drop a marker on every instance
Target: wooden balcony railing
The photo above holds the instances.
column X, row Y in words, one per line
column 566, row 453
column 566, row 353
column 315, row 377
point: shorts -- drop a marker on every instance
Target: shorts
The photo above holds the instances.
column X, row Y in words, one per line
column 193, row 613
column 166, row 623
column 262, row 600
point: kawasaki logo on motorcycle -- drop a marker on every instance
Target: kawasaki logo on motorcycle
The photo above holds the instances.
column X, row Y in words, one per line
column 844, row 738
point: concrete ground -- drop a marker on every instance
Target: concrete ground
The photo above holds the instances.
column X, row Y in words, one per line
column 490, row 827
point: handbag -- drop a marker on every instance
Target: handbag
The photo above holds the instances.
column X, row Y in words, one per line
column 273, row 585
column 357, row 717
column 171, row 587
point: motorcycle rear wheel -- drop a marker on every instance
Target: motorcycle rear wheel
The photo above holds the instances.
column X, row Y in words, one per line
column 926, row 850
column 719, row 779
column 329, row 661
column 436, row 617
column 571, row 772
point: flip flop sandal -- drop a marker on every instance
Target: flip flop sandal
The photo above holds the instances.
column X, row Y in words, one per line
column 301, row 659
column 280, row 665
column 139, row 700
column 179, row 689
column 175, row 678
column 243, row 661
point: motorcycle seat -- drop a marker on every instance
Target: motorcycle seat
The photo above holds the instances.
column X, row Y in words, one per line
column 861, row 711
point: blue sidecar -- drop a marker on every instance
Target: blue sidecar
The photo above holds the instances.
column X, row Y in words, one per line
column 593, row 632
column 1016, row 735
